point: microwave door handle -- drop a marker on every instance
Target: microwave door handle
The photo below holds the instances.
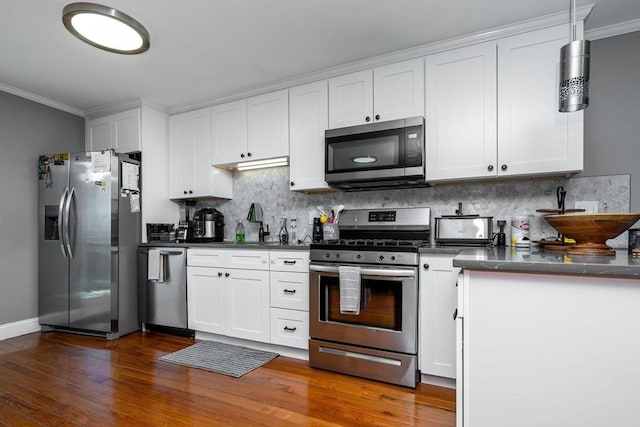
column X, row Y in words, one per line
column 63, row 198
column 67, row 225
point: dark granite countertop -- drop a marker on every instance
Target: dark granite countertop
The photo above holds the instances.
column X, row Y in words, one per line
column 537, row 260
column 229, row 245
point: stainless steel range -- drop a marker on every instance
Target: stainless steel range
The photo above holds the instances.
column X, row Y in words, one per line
column 364, row 295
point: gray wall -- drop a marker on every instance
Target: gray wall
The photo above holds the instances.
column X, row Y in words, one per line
column 27, row 129
column 612, row 120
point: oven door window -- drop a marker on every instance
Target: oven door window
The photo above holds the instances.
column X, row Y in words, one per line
column 380, row 303
column 376, row 150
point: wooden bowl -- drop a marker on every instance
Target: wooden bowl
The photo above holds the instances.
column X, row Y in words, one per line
column 591, row 231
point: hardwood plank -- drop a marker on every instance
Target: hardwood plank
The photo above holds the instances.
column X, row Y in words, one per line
column 49, row 378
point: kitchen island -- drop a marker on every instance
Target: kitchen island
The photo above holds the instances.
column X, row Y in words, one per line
column 546, row 338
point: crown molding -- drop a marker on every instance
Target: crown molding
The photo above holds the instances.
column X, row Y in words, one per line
column 40, row 99
column 613, row 30
column 401, row 55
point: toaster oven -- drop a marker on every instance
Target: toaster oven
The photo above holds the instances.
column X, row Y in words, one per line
column 464, row 230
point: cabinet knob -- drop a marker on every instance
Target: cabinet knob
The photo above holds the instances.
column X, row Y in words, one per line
column 190, row 192
column 490, row 168
column 425, row 266
column 367, row 119
column 227, row 274
column 248, row 154
column 219, row 274
column 185, row 191
column 377, row 116
column 242, row 155
column 503, row 167
column 292, row 183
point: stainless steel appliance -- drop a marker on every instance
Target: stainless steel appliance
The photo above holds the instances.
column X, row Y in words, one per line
column 376, row 156
column 208, row 225
column 162, row 294
column 379, row 340
column 464, row 230
column 89, row 229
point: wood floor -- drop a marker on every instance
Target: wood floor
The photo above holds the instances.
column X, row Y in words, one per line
column 59, row 379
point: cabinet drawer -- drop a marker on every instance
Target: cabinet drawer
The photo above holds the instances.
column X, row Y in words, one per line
column 290, row 290
column 229, row 258
column 289, row 261
column 290, row 328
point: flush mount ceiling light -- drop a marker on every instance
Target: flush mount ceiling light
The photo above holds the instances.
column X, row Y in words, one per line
column 105, row 28
column 574, row 69
column 364, row 159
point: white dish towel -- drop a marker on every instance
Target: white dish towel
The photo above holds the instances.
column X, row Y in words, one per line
column 349, row 289
column 155, row 266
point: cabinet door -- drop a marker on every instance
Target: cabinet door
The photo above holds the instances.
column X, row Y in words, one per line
column 309, row 118
column 248, row 304
column 206, row 299
column 181, row 156
column 461, row 128
column 201, row 163
column 438, row 302
column 533, row 137
column 126, row 131
column 98, row 134
column 229, row 132
column 290, row 328
column 398, row 90
column 351, row 99
column 268, row 126
column 290, row 290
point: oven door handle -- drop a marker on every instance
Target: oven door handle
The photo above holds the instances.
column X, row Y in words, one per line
column 366, row 271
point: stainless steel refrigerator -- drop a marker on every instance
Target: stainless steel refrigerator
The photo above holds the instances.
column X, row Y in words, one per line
column 88, row 233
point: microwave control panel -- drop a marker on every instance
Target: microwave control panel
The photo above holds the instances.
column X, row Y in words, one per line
column 413, row 146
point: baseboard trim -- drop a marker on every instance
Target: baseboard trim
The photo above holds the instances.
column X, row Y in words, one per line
column 21, row 327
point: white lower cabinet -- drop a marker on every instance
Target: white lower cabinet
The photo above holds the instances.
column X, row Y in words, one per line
column 437, row 326
column 232, row 292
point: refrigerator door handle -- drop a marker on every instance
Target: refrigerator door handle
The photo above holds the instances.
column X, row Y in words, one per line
column 63, row 198
column 67, row 232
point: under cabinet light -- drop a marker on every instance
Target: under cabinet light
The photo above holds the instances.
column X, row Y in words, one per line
column 105, row 28
column 261, row 164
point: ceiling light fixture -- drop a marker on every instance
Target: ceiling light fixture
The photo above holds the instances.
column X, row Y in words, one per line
column 105, row 28
column 574, row 69
column 261, row 164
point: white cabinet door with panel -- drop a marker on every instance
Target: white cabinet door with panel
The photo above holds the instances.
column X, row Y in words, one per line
column 120, row 132
column 308, row 119
column 389, row 92
column 437, row 325
column 268, row 125
column 247, row 293
column 206, row 299
column 460, row 123
column 98, row 134
column 533, row 136
column 229, row 132
column 191, row 174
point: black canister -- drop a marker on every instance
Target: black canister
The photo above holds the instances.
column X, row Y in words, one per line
column 634, row 242
column 317, row 230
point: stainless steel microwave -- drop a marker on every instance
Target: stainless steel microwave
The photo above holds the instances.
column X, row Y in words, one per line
column 376, row 156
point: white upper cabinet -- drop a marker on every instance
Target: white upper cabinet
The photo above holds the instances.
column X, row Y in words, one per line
column 229, row 132
column 191, row 174
column 256, row 128
column 268, row 125
column 120, row 132
column 461, row 128
column 385, row 93
column 478, row 128
column 533, row 137
column 309, row 118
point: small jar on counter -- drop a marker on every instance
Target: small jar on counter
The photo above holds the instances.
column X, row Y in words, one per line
column 634, row 242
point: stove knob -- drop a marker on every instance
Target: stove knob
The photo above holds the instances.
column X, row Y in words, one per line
column 393, row 258
column 327, row 255
column 337, row 255
column 359, row 256
column 381, row 258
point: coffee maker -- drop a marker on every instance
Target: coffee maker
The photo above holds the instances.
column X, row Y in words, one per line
column 184, row 233
column 208, row 225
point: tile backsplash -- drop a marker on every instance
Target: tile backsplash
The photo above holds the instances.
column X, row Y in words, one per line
column 500, row 199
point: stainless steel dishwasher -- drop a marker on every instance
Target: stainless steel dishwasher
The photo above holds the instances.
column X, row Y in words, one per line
column 162, row 301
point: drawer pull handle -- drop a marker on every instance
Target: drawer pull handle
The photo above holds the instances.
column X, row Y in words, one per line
column 289, row 291
column 287, row 262
column 288, row 329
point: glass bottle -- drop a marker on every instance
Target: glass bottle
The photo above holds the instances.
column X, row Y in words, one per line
column 240, row 232
column 283, row 235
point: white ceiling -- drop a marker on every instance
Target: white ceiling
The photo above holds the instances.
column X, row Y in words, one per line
column 210, row 49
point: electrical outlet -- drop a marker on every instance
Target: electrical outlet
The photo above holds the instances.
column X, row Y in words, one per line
column 589, row 207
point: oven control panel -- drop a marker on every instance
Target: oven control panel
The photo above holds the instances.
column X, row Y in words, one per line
column 337, row 256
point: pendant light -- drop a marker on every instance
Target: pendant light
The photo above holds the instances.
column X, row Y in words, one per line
column 105, row 28
column 574, row 69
